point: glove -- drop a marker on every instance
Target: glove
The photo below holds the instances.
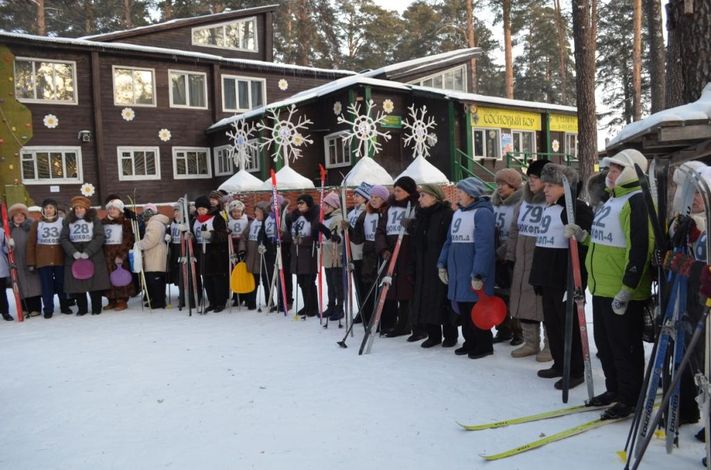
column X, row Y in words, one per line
column 477, row 283
column 77, row 255
column 619, row 303
column 11, row 243
column 207, row 235
column 335, row 238
column 386, row 254
column 575, row 231
column 167, row 238
column 139, row 246
column 405, row 222
column 31, row 269
column 188, row 235
column 84, row 255
column 345, row 225
column 118, row 261
column 183, row 227
column 443, row 275
column 261, row 249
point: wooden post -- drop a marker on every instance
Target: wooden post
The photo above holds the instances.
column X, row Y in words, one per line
column 98, row 124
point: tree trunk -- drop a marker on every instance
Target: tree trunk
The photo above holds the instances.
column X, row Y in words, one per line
column 41, row 23
column 562, row 55
column 89, row 17
column 302, row 47
column 584, row 19
column 508, row 54
column 471, row 42
column 674, row 83
column 167, row 10
column 694, row 26
column 637, row 59
column 657, row 56
column 127, row 19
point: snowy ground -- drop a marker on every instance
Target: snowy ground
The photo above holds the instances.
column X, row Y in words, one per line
column 248, row 390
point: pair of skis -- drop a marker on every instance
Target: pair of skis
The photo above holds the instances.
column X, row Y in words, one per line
column 137, row 255
column 187, row 260
column 14, row 278
column 279, row 263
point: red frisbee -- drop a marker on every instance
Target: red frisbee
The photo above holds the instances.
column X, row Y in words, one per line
column 489, row 311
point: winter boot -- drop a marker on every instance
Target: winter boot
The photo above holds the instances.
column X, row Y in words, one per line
column 7, row 317
column 531, row 341
column 120, row 305
column 545, row 354
column 111, row 305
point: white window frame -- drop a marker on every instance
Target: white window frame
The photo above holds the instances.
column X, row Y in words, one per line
column 129, row 67
column 521, row 133
column 244, row 78
column 257, row 158
column 486, row 129
column 420, row 81
column 75, row 100
column 50, row 148
column 176, row 176
column 252, row 19
column 566, row 151
column 327, row 150
column 185, row 73
column 216, row 155
column 132, row 149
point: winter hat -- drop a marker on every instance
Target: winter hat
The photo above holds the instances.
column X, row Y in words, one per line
column 433, row 190
column 473, row 186
column 50, row 202
column 510, row 177
column 627, row 159
column 379, row 191
column 111, row 197
column 306, row 199
column 215, row 195
column 117, row 203
column 280, row 200
column 150, row 208
column 332, row 200
column 407, row 184
column 553, row 173
column 364, row 190
column 536, row 166
column 202, row 201
column 685, row 168
column 235, row 205
column 32, row 209
column 17, row 209
column 264, row 206
column 81, row 201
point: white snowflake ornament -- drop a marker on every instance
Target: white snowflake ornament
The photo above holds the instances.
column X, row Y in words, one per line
column 283, row 85
column 87, row 189
column 128, row 114
column 241, row 146
column 285, row 135
column 419, row 131
column 388, row 106
column 164, row 135
column 364, row 129
column 50, row 121
column 337, row 108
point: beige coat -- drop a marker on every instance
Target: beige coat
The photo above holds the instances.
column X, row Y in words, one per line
column 155, row 250
column 332, row 252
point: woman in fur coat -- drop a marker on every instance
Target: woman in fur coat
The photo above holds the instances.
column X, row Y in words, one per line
column 119, row 240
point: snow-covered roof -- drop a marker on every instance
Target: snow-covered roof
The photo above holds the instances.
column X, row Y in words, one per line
column 420, row 62
column 369, row 171
column 423, row 172
column 288, row 178
column 462, row 96
column 124, row 47
column 241, row 181
column 699, row 110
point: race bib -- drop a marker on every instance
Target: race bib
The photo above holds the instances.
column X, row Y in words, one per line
column 529, row 219
column 700, row 248
column 81, row 231
column 254, row 230
column 607, row 227
column 461, row 230
column 198, row 229
column 174, row 233
column 238, row 226
column 48, row 232
column 113, row 233
column 270, row 227
column 301, row 227
column 552, row 230
column 395, row 217
column 504, row 219
column 371, row 225
column 353, row 216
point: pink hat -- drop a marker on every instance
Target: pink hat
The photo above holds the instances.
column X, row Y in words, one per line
column 380, row 191
column 332, row 200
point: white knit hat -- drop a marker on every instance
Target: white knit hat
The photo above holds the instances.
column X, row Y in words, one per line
column 117, row 203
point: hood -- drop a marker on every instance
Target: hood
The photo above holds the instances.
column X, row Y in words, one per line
column 159, row 218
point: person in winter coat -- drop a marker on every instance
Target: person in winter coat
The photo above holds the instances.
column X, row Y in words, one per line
column 256, row 247
column 505, row 198
column 46, row 255
column 216, row 203
column 620, row 247
column 237, row 225
column 524, row 305
column 361, row 194
column 4, row 277
column 82, row 237
column 430, row 306
column 154, row 247
column 467, row 262
column 118, row 241
column 30, row 284
column 210, row 231
column 364, row 233
column 396, row 319
column 174, row 265
column 549, row 271
column 270, row 229
column 332, row 252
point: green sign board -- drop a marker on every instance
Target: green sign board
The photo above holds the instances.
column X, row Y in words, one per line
column 392, row 122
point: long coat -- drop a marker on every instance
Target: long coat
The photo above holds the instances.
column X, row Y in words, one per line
column 39, row 255
column 30, row 285
column 215, row 260
column 303, row 250
column 404, row 274
column 155, row 250
column 332, row 251
column 429, row 232
column 253, row 258
column 4, row 265
column 93, row 248
column 120, row 250
column 523, row 301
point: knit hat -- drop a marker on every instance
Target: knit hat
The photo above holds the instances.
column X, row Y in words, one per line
column 235, row 205
column 117, row 203
column 215, row 195
column 17, row 209
column 364, row 190
column 473, row 186
column 407, row 184
column 50, row 202
column 111, row 197
column 433, row 190
column 306, row 198
column 202, row 201
column 553, row 173
column 510, row 177
column 264, row 206
column 150, row 207
column 536, row 166
column 80, row 201
column 332, row 200
column 379, row 191
column 280, row 200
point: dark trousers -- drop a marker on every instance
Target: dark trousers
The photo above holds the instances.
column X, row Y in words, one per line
column 619, row 343
column 476, row 340
column 435, row 332
column 216, row 287
column 396, row 316
column 307, row 284
column 191, row 296
column 52, row 280
column 4, row 305
column 82, row 304
column 360, row 289
column 554, row 313
column 156, row 288
column 334, row 281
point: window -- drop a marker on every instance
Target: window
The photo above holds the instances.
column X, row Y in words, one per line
column 223, row 160
column 571, row 145
column 53, row 165
column 452, row 79
column 188, row 89
column 134, row 86
column 336, row 150
column 487, row 143
column 138, row 163
column 242, row 93
column 45, row 81
column 240, row 35
column 191, row 163
column 524, row 142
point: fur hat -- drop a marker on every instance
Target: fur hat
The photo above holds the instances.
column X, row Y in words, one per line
column 536, row 166
column 407, row 184
column 332, row 200
column 473, row 186
column 264, row 206
column 235, row 205
column 379, row 191
column 433, row 190
column 202, row 201
column 553, row 173
column 363, row 190
column 80, row 201
column 306, row 198
column 509, row 176
column 117, row 203
column 15, row 209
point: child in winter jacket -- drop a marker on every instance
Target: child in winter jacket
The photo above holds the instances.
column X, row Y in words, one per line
column 210, row 231
column 119, row 240
column 360, row 197
column 237, row 225
column 332, row 252
column 257, row 246
column 154, row 246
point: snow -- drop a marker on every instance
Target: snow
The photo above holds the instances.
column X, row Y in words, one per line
column 482, row 99
column 436, row 58
column 424, row 172
column 369, row 171
column 288, row 178
column 241, row 181
column 242, row 389
column 699, row 110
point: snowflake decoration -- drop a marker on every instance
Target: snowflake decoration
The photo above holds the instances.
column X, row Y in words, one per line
column 50, row 121
column 364, row 128
column 388, row 106
column 164, row 135
column 283, row 85
column 337, row 108
column 419, row 131
column 87, row 189
column 128, row 114
column 286, row 135
column 241, row 146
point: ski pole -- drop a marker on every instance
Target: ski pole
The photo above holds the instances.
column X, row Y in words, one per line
column 342, row 343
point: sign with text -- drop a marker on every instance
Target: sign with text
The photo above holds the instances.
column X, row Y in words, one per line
column 506, row 119
column 564, row 123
